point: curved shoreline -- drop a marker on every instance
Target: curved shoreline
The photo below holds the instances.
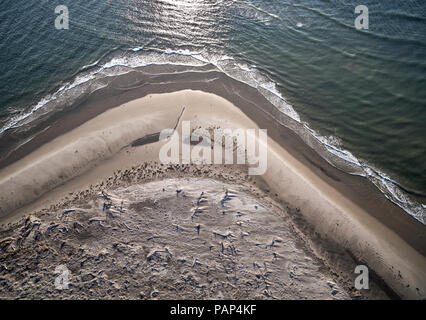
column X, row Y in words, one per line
column 17, row 142
column 319, row 190
column 169, row 78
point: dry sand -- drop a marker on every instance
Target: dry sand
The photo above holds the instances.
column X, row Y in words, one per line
column 167, row 239
column 88, row 155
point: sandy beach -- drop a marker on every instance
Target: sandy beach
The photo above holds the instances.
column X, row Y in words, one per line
column 92, row 195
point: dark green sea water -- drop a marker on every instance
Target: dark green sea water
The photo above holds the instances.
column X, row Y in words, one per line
column 361, row 92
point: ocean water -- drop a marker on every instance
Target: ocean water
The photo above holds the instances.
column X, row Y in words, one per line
column 360, row 93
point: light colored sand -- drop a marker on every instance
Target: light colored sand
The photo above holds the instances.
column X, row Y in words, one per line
column 146, row 244
column 91, row 152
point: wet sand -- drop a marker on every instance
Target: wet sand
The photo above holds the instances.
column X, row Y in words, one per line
column 327, row 202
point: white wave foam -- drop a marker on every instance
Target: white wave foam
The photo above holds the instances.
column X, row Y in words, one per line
column 391, row 190
column 91, row 65
column 333, row 146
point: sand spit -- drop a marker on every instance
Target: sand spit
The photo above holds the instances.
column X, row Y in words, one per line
column 89, row 154
column 172, row 238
